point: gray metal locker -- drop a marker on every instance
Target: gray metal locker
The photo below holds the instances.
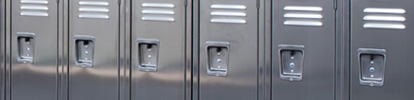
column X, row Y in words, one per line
column 34, row 50
column 158, row 49
column 381, row 51
column 93, row 49
column 303, row 50
column 228, row 63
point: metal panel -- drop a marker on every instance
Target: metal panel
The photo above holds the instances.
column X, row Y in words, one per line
column 310, row 26
column 160, row 24
column 2, row 49
column 228, row 26
column 34, row 49
column 93, row 50
column 384, row 28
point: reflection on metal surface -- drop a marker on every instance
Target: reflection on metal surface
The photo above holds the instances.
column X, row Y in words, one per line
column 226, row 13
column 302, row 23
column 303, row 8
column 163, row 12
column 303, row 16
column 385, row 10
column 34, row 8
column 93, row 9
column 384, row 25
column 384, row 18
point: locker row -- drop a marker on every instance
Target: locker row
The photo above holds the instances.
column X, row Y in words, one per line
column 206, row 50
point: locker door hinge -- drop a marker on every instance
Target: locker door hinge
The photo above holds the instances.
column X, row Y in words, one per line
column 185, row 3
column 257, row 3
column 57, row 1
column 119, row 2
column 335, row 5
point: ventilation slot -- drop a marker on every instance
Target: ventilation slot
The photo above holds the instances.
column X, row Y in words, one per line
column 303, row 16
column 162, row 12
column 93, row 9
column 384, row 18
column 222, row 13
column 34, row 8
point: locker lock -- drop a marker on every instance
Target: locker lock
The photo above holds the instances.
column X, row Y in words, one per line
column 84, row 48
column 291, row 62
column 147, row 50
column 372, row 66
column 217, row 58
column 26, row 47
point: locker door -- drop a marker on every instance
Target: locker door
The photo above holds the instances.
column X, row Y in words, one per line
column 381, row 51
column 94, row 49
column 34, row 49
column 303, row 46
column 2, row 48
column 228, row 50
column 158, row 50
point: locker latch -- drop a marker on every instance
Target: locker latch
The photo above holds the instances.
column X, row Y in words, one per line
column 291, row 62
column 148, row 51
column 217, row 58
column 84, row 50
column 26, row 47
column 372, row 66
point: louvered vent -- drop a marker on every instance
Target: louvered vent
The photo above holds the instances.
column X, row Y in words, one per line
column 34, row 8
column 224, row 13
column 303, row 15
column 384, row 18
column 163, row 12
column 93, row 9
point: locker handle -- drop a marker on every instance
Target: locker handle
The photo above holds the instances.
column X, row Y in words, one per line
column 84, row 50
column 217, row 54
column 26, row 47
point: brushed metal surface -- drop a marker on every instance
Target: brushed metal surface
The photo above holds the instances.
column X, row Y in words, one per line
column 319, row 53
column 167, row 23
column 101, row 81
column 241, row 32
column 395, row 40
column 37, row 80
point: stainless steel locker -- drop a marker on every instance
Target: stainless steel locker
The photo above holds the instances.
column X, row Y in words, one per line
column 381, row 55
column 303, row 49
column 34, row 50
column 228, row 50
column 93, row 50
column 158, row 50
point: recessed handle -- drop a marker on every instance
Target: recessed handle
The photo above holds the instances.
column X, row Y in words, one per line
column 291, row 62
column 147, row 54
column 84, row 48
column 26, row 47
column 217, row 58
column 372, row 66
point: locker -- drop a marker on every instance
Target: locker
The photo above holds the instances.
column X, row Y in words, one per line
column 303, row 50
column 381, row 63
column 228, row 50
column 34, row 49
column 158, row 49
column 93, row 49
